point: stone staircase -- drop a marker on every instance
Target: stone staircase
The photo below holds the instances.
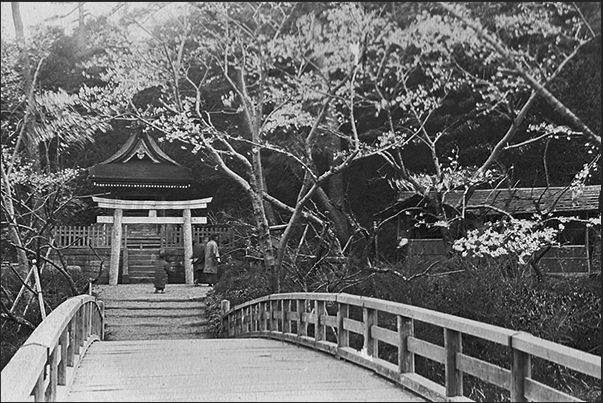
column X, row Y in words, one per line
column 143, row 243
column 143, row 236
column 135, row 312
column 141, row 264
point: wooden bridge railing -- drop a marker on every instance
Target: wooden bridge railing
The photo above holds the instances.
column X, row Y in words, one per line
column 49, row 357
column 333, row 318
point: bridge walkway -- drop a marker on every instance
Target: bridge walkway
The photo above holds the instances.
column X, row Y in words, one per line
column 224, row 370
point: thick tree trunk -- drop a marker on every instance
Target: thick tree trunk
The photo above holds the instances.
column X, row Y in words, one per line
column 334, row 203
column 335, row 214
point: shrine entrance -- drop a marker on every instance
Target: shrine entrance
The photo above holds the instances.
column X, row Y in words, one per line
column 142, row 237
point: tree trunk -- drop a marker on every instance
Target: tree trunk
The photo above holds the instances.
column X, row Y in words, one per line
column 335, row 214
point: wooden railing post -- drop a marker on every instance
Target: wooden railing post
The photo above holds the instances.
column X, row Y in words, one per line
column 274, row 315
column 320, row 330
column 102, row 320
column 89, row 319
column 302, row 326
column 286, row 324
column 369, row 318
column 521, row 368
column 224, row 307
column 406, row 359
column 343, row 335
column 454, row 377
column 77, row 332
column 240, row 317
column 38, row 391
column 248, row 319
column 262, row 316
column 51, row 392
column 62, row 369
column 72, row 342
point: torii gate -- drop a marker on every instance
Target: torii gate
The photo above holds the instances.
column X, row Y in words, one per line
column 117, row 219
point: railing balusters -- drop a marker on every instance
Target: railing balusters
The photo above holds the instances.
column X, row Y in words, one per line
column 62, row 369
column 248, row 319
column 274, row 316
column 72, row 342
column 38, row 391
column 302, row 325
column 454, row 377
column 406, row 359
column 521, row 368
column 286, row 326
column 320, row 330
column 78, row 333
column 369, row 318
column 343, row 335
column 53, row 376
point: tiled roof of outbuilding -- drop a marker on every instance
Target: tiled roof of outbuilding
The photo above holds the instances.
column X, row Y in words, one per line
column 522, row 200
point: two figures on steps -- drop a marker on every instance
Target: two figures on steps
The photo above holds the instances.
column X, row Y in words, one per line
column 205, row 261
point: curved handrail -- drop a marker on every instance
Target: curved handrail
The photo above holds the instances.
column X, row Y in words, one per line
column 60, row 342
column 275, row 316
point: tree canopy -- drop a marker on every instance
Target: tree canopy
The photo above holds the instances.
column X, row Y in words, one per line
column 289, row 103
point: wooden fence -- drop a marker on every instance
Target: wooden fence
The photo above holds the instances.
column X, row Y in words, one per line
column 99, row 235
column 44, row 366
column 333, row 318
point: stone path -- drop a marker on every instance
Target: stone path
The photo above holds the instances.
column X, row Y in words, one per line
column 135, row 312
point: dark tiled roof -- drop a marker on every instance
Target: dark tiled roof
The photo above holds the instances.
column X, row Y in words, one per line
column 139, row 161
column 143, row 172
column 522, row 200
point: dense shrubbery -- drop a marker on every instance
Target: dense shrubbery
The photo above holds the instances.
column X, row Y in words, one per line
column 240, row 281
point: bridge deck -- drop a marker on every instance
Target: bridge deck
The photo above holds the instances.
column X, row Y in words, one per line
column 223, row 370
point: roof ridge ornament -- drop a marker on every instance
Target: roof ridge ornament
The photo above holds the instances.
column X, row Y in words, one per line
column 141, row 151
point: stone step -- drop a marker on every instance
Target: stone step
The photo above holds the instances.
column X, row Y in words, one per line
column 135, row 312
column 146, row 270
column 157, row 313
column 155, row 322
column 156, row 298
column 166, row 305
column 149, row 333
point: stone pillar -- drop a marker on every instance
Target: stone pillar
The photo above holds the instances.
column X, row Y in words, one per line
column 187, row 240
column 115, row 246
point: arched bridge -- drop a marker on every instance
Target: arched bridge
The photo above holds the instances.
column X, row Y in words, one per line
column 284, row 347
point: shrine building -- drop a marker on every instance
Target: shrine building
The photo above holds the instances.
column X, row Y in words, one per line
column 143, row 198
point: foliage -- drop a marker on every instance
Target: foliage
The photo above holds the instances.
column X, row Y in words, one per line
column 520, row 238
column 239, row 281
column 563, row 310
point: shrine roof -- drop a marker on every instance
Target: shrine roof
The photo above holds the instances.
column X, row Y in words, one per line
column 140, row 163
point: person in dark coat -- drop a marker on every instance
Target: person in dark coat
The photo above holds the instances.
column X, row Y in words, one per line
column 198, row 259
column 162, row 268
